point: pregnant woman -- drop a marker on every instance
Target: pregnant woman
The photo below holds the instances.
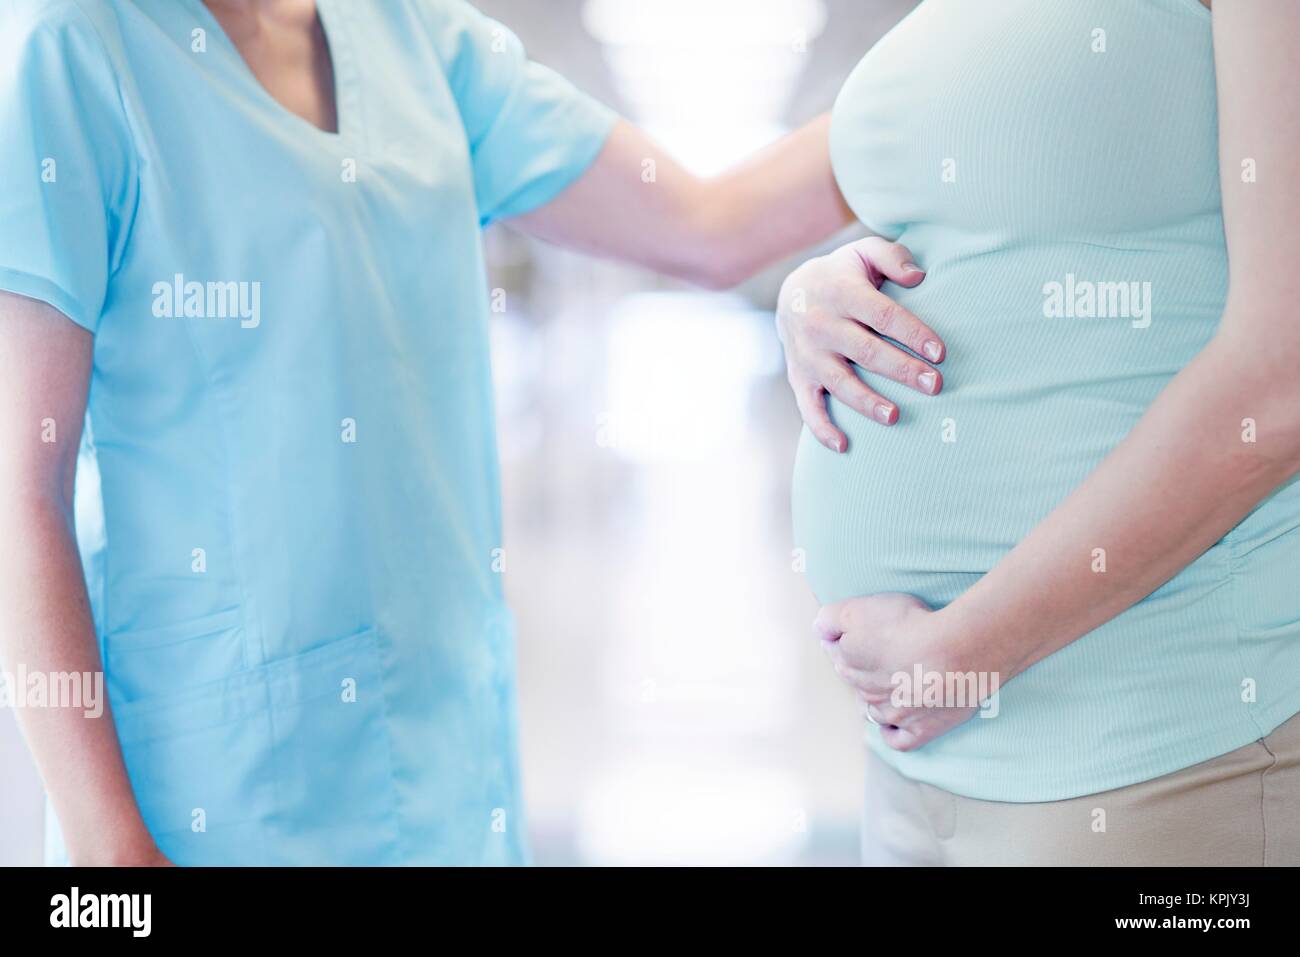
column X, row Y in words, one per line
column 1100, row 513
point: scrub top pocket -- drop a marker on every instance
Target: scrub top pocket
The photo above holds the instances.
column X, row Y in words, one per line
column 284, row 764
column 161, row 662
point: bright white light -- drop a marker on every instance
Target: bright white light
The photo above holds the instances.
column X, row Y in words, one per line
column 711, row 79
column 665, row 811
column 681, row 367
column 704, row 22
column 701, row 677
column 709, row 149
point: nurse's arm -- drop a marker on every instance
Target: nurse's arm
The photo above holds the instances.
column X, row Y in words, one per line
column 45, row 621
column 718, row 231
column 1225, row 432
column 637, row 204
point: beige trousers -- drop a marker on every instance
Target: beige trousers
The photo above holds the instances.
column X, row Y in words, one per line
column 1239, row 809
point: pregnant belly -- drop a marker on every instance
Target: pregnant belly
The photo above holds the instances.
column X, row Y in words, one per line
column 1031, row 405
column 930, row 505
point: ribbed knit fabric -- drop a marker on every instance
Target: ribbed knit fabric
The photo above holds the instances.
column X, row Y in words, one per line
column 1030, row 160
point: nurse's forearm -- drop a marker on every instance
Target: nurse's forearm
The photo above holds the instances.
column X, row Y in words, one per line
column 47, row 631
column 639, row 205
column 778, row 202
column 45, row 623
column 1223, row 435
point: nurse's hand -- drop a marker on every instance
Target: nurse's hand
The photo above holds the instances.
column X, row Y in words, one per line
column 143, row 857
column 831, row 317
column 880, row 646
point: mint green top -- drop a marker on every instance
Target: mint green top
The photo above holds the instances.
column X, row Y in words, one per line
column 1045, row 172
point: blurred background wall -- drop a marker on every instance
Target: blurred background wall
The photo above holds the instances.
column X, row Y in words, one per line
column 674, row 705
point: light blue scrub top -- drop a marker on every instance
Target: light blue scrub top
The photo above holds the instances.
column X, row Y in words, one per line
column 294, row 584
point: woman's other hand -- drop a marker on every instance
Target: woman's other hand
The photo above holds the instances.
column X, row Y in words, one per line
column 908, row 668
column 832, row 316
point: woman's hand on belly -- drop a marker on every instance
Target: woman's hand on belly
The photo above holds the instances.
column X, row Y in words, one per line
column 831, row 316
column 909, row 672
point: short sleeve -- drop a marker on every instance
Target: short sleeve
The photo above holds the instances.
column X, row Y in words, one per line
column 531, row 132
column 66, row 160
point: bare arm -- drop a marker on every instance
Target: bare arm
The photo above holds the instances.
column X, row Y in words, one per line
column 638, row 204
column 716, row 232
column 45, row 621
column 1183, row 477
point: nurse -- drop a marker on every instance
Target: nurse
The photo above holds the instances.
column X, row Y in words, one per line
column 244, row 237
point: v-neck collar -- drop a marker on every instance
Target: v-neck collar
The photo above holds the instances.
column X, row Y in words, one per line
column 340, row 54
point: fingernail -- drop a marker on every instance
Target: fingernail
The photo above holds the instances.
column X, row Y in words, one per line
column 883, row 412
column 932, row 349
column 928, row 381
column 912, row 267
column 835, row 444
